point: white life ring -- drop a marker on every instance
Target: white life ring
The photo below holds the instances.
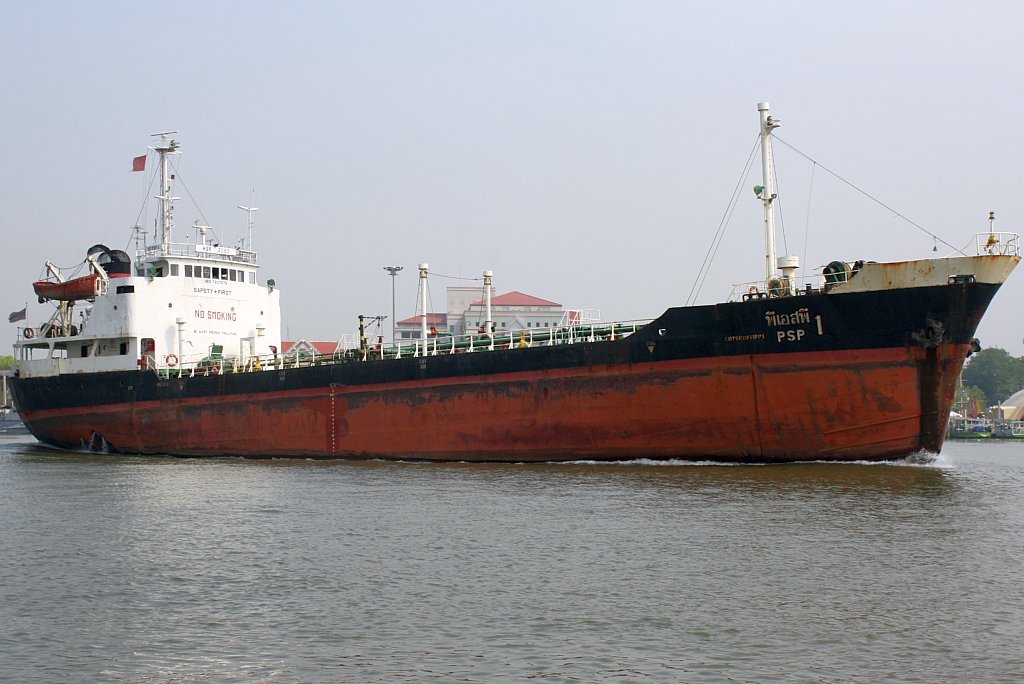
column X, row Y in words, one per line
column 171, row 360
column 28, row 333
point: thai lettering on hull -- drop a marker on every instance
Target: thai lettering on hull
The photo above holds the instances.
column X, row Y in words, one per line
column 790, row 325
column 795, row 318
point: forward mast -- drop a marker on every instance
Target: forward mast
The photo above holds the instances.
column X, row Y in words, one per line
column 788, row 264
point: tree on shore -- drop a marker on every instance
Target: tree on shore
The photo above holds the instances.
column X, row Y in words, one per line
column 993, row 373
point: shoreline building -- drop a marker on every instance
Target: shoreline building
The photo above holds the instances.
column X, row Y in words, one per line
column 513, row 311
column 467, row 313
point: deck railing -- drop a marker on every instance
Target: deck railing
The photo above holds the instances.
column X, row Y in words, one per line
column 173, row 367
column 997, row 244
column 189, row 249
column 1005, row 244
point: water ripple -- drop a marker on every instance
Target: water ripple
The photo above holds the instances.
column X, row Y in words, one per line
column 126, row 569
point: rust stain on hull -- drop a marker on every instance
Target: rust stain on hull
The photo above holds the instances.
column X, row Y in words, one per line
column 864, row 404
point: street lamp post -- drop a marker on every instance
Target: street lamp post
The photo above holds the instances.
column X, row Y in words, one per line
column 393, row 271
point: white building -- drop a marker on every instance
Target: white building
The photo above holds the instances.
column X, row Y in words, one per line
column 513, row 311
column 467, row 313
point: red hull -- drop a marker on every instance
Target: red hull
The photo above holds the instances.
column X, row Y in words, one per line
column 864, row 404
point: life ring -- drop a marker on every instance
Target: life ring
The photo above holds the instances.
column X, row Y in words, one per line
column 28, row 333
column 171, row 360
column 752, row 289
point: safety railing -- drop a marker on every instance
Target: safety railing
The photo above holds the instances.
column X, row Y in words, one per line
column 170, row 366
column 1003, row 244
column 777, row 287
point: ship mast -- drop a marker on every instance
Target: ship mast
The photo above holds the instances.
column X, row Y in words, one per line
column 786, row 285
column 165, row 147
column 488, row 324
column 423, row 304
column 767, row 193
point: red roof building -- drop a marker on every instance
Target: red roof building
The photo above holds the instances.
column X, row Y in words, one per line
column 309, row 347
column 511, row 311
column 412, row 328
column 516, row 299
column 467, row 312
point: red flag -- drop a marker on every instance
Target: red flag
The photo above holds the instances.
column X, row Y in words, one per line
column 139, row 163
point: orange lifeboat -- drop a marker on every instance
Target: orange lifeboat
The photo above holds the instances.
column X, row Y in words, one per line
column 69, row 290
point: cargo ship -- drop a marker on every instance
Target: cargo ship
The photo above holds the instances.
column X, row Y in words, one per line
column 176, row 350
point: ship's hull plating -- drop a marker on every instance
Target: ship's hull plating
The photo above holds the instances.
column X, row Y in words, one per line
column 825, row 376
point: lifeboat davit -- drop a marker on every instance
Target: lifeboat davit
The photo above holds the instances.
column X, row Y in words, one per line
column 69, row 290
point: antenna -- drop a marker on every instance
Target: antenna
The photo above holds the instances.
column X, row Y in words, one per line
column 137, row 236
column 251, row 222
column 165, row 148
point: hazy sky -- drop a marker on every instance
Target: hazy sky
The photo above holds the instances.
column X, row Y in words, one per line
column 585, row 152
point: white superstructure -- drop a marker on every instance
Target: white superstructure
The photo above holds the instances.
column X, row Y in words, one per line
column 188, row 306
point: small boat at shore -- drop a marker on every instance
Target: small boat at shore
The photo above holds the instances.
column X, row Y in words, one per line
column 962, row 427
column 1008, row 429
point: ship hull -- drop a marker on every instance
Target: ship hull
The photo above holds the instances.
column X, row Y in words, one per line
column 857, row 376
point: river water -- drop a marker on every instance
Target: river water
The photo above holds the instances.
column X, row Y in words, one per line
column 126, row 569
